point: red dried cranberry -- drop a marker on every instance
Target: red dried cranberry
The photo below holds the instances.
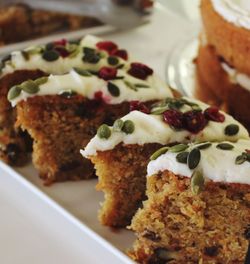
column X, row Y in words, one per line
column 212, row 113
column 62, row 51
column 136, row 105
column 248, row 151
column 98, row 96
column 140, row 71
column 173, row 118
column 107, row 73
column 121, row 53
column 194, row 121
column 108, row 46
column 61, row 42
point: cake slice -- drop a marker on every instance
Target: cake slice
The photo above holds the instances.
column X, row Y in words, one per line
column 121, row 153
column 198, row 205
column 59, row 58
column 61, row 113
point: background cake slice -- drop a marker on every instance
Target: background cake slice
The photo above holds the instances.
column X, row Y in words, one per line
column 198, row 206
column 121, row 153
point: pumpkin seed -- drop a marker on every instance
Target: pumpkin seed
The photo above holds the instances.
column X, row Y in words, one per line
column 232, row 130
column 197, row 182
column 141, row 85
column 204, row 146
column 225, row 146
column 14, row 92
column 71, row 47
column 25, row 54
column 194, row 158
column 128, row 127
column 34, row 50
column 41, row 80
column 49, row 46
column 74, row 53
column 159, row 152
column 241, row 159
column 88, row 50
column 158, row 110
column 113, row 60
column 113, row 89
column 82, row 72
column 118, row 125
column 120, row 66
column 104, row 131
column 92, row 58
column 131, row 86
column 182, row 157
column 178, row 148
column 30, row 87
column 50, row 55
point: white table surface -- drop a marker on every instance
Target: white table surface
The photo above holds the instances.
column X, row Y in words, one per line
column 26, row 237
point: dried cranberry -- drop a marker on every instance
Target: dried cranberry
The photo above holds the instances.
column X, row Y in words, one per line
column 136, row 105
column 98, row 96
column 140, row 71
column 107, row 73
column 174, row 118
column 61, row 42
column 62, row 51
column 121, row 53
column 248, row 151
column 108, row 46
column 194, row 121
column 213, row 114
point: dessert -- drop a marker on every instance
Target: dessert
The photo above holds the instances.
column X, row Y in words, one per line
column 197, row 209
column 36, row 23
column 222, row 68
column 121, row 153
column 61, row 113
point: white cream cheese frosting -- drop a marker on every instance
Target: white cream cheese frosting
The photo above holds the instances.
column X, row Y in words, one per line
column 150, row 128
column 60, row 66
column 216, row 164
column 236, row 77
column 87, row 86
column 236, row 12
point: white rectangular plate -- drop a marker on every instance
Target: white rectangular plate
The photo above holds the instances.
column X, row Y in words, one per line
column 77, row 203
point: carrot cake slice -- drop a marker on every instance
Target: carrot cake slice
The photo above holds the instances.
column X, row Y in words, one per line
column 60, row 57
column 61, row 113
column 223, row 70
column 121, row 153
column 198, row 205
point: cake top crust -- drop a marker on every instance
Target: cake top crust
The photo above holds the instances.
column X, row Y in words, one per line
column 219, row 162
column 170, row 121
column 236, row 12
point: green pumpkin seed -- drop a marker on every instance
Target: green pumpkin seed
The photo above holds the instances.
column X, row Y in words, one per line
column 88, row 50
column 30, row 87
column 71, row 47
column 178, row 148
column 41, row 80
column 82, row 72
column 113, row 89
column 74, row 53
column 158, row 110
column 159, row 152
column 34, row 50
column 14, row 92
column 128, row 127
column 25, row 54
column 104, row 132
column 182, row 157
column 241, row 159
column 197, row 182
column 194, row 158
column 113, row 60
column 49, row 46
column 118, row 125
column 50, row 55
column 141, row 85
column 225, row 146
column 231, row 130
column 130, row 86
column 204, row 146
column 120, row 66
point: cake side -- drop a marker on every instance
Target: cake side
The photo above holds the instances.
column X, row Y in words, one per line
column 122, row 177
column 198, row 206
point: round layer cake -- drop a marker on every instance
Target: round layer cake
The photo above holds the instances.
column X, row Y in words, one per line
column 223, row 72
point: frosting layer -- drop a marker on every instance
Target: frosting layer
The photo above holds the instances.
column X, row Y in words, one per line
column 151, row 128
column 216, row 164
column 234, row 11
